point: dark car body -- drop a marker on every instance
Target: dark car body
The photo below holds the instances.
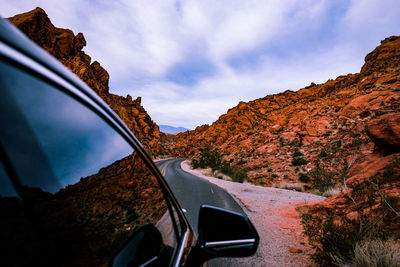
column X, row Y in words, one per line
column 76, row 186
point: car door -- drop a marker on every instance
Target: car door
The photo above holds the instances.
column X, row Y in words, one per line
column 76, row 186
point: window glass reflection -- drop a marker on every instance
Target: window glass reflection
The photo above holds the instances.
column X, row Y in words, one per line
column 86, row 188
column 6, row 187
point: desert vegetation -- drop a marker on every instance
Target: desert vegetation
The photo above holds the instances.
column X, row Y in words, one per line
column 211, row 158
column 365, row 230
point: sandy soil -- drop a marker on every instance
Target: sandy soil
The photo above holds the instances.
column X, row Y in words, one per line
column 273, row 213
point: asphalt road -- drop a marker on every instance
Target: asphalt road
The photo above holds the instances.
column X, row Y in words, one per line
column 192, row 191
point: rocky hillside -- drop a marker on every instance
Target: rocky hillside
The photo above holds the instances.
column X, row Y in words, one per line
column 67, row 48
column 285, row 136
column 339, row 139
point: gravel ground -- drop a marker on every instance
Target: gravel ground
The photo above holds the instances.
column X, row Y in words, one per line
column 273, row 213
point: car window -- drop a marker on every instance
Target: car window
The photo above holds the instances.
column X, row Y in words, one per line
column 84, row 187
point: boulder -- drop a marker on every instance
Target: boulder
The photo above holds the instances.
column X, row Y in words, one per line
column 384, row 131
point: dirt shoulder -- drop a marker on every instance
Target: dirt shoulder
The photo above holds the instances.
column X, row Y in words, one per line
column 273, row 213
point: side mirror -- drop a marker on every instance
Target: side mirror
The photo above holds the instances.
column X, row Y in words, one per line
column 144, row 248
column 224, row 233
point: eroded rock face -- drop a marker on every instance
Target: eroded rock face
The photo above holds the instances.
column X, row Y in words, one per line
column 67, row 48
column 384, row 131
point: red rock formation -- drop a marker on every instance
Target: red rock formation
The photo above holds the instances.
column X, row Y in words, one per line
column 384, row 131
column 326, row 122
column 67, row 48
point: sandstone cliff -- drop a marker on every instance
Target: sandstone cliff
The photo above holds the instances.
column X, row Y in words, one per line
column 67, row 48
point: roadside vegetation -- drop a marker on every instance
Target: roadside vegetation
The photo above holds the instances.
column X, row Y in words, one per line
column 211, row 158
column 367, row 233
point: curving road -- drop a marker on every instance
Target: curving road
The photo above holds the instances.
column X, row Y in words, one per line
column 192, row 191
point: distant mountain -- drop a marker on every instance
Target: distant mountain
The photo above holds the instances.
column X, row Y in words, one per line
column 172, row 129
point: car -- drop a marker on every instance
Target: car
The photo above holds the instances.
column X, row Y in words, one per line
column 76, row 186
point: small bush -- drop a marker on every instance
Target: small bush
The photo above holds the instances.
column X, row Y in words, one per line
column 328, row 238
column 297, row 153
column 323, row 154
column 239, row 175
column 299, row 161
column 195, row 163
column 336, row 145
column 295, row 143
column 322, row 179
column 304, row 178
column 212, row 158
column 241, row 162
column 274, row 175
column 269, row 170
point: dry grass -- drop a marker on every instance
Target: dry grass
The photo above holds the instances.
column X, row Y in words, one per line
column 374, row 253
column 333, row 191
column 290, row 186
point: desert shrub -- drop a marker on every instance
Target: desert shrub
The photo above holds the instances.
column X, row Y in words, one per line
column 354, row 235
column 295, row 143
column 322, row 179
column 195, row 163
column 331, row 191
column 328, row 238
column 269, row 170
column 304, row 178
column 376, row 253
column 225, row 167
column 322, row 154
column 299, row 161
column 274, row 175
column 281, row 141
column 297, row 153
column 241, row 162
column 336, row 145
column 291, row 186
column 239, row 175
column 209, row 157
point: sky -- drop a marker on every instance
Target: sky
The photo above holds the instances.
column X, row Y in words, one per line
column 191, row 61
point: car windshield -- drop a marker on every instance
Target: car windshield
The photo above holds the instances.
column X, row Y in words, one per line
column 86, row 188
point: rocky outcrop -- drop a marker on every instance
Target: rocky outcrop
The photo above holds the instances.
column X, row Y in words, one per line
column 384, row 131
column 385, row 56
column 67, row 48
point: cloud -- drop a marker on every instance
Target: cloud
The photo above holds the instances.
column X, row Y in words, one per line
column 193, row 60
